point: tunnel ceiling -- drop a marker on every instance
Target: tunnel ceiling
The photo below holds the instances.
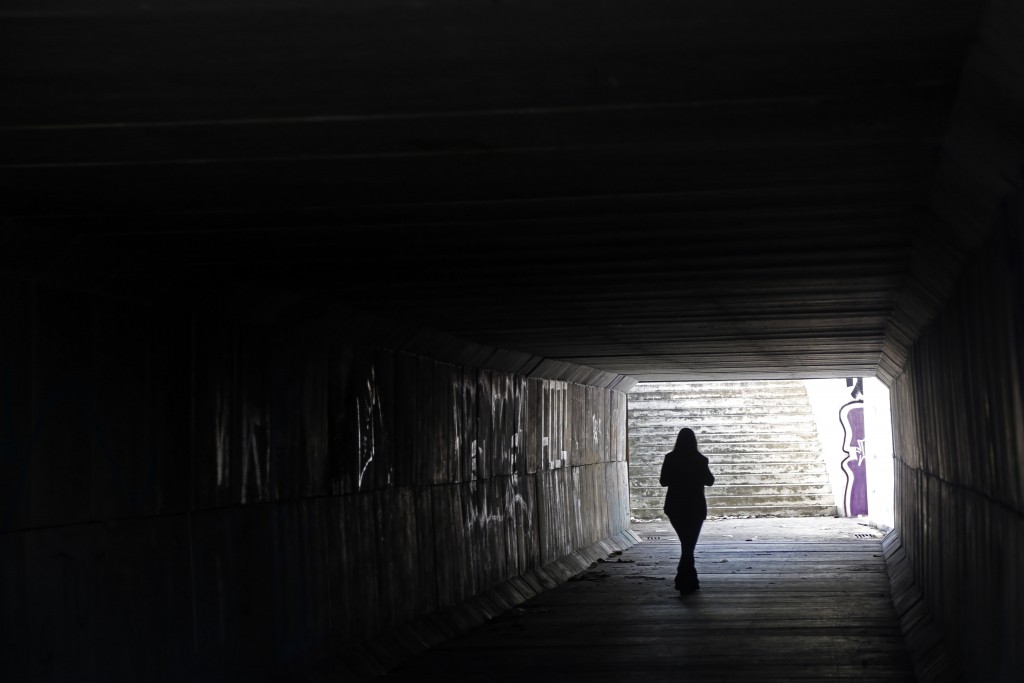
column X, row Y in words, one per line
column 664, row 189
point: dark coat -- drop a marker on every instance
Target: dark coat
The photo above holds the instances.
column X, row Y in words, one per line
column 686, row 475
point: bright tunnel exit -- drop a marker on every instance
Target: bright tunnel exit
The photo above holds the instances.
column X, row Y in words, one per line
column 792, row 448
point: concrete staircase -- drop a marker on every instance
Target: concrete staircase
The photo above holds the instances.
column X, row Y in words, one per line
column 760, row 437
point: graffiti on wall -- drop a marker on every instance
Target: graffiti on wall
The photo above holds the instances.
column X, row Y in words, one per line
column 851, row 416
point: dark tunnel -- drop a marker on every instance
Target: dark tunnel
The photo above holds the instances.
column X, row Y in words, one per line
column 319, row 316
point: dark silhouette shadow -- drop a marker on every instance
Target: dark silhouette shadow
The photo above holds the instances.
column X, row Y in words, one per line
column 685, row 472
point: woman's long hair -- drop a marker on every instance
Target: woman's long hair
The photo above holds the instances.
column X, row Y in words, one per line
column 686, row 442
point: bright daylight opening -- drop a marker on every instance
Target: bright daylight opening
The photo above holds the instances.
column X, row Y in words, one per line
column 796, row 448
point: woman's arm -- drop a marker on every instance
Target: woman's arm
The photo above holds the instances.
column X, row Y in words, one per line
column 665, row 479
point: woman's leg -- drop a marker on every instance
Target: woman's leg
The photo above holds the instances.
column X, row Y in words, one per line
column 688, row 530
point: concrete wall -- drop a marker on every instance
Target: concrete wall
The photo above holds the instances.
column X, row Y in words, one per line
column 251, row 490
column 959, row 442
column 828, row 396
column 957, row 406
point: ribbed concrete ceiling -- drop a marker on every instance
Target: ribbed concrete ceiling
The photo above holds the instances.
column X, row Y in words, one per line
column 664, row 189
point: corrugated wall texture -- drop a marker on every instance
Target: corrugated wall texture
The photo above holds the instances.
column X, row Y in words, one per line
column 957, row 406
column 959, row 441
column 218, row 496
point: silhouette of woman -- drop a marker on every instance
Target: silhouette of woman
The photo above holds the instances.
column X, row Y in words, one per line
column 685, row 472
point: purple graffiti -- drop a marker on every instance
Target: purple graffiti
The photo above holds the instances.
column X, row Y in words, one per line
column 854, row 466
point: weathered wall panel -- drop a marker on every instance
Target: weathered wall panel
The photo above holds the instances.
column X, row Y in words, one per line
column 16, row 420
column 959, row 441
column 273, row 486
column 64, row 429
column 455, row 565
column 139, row 565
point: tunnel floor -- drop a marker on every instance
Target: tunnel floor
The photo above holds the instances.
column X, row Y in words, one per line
column 780, row 600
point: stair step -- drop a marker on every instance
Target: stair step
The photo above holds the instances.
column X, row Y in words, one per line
column 804, row 467
column 771, row 461
column 664, row 440
column 645, row 402
column 728, row 432
column 742, row 511
column 757, row 490
column 752, row 467
column 765, row 479
column 780, row 510
column 739, row 490
column 745, row 480
column 737, row 443
column 711, row 449
column 774, row 511
column 738, row 458
column 713, row 446
column 639, row 501
column 665, row 411
column 649, row 443
column 776, row 499
column 720, row 394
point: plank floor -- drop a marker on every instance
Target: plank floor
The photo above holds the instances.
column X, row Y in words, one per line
column 776, row 609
